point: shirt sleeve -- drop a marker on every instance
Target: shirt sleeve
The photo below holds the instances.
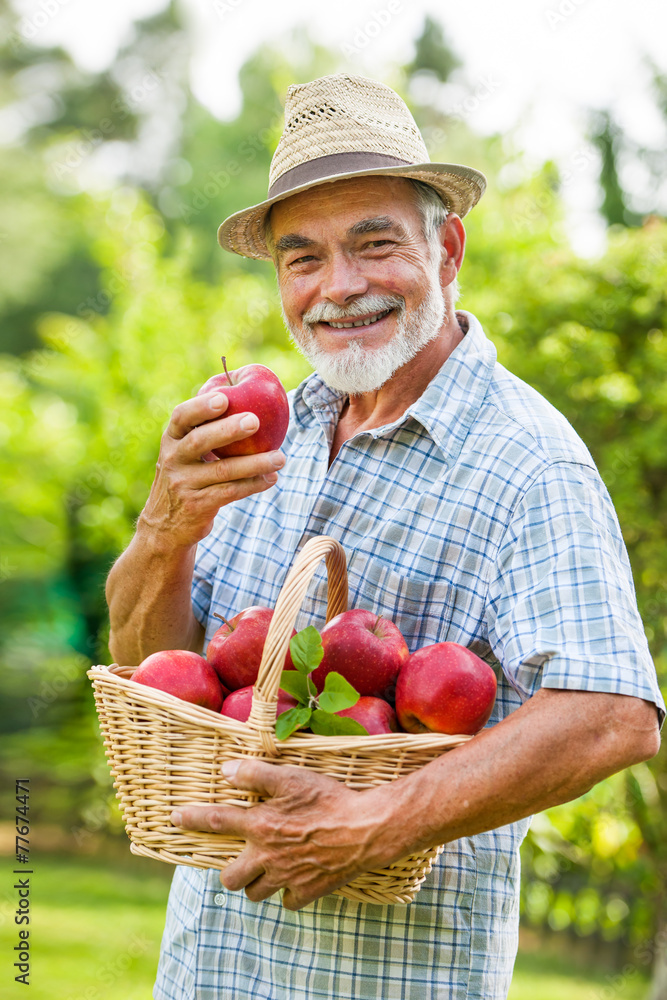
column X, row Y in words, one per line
column 562, row 610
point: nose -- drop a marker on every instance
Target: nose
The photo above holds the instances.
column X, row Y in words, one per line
column 342, row 279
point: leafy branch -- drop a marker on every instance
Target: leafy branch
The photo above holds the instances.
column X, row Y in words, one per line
column 318, row 711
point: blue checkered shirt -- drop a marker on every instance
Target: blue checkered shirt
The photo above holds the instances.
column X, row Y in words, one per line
column 477, row 517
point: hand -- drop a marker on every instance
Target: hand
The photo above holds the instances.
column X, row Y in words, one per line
column 313, row 835
column 190, row 484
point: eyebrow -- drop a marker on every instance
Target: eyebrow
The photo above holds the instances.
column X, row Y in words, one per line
column 378, row 224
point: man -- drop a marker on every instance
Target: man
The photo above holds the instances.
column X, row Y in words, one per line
column 469, row 510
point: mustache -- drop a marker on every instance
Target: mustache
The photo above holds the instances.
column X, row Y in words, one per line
column 325, row 312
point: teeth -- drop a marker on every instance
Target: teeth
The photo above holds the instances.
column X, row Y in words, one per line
column 359, row 322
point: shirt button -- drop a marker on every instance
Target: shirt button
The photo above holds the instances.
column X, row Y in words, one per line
column 219, row 899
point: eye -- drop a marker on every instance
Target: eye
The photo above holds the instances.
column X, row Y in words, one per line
column 378, row 243
column 302, row 260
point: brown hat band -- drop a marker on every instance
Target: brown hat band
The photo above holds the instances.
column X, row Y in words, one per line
column 329, row 166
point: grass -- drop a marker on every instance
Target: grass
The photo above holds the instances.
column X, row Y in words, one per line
column 551, row 977
column 96, row 925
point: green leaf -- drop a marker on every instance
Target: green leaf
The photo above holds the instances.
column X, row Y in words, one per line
column 295, row 684
column 306, row 649
column 325, row 724
column 337, row 694
column 293, row 718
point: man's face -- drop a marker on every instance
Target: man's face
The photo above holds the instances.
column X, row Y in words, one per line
column 354, row 251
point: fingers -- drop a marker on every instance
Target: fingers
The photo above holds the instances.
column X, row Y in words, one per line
column 193, row 412
column 244, row 872
column 268, row 780
column 231, row 820
column 262, row 466
column 214, row 433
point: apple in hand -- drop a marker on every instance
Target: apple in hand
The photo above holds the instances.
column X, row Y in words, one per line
column 235, row 650
column 445, row 688
column 253, row 389
column 375, row 714
column 367, row 649
column 184, row 674
column 237, row 704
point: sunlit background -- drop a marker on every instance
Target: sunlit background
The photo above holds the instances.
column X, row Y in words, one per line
column 129, row 131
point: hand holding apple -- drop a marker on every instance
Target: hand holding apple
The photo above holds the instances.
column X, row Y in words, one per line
column 445, row 688
column 255, row 389
column 188, row 492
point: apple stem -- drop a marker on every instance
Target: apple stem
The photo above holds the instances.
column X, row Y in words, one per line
column 224, row 365
column 375, row 625
column 313, row 701
column 223, row 619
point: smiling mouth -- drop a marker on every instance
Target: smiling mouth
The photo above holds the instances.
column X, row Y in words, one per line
column 375, row 318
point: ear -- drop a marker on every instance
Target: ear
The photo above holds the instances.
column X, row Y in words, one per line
column 452, row 237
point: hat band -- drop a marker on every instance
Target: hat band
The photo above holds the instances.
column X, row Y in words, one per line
column 328, row 166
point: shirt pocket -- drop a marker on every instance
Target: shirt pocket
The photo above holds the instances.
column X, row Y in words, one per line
column 421, row 609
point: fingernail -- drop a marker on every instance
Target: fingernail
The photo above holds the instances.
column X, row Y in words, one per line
column 230, row 767
column 277, row 459
column 217, row 401
column 249, row 422
column 271, row 477
column 176, row 818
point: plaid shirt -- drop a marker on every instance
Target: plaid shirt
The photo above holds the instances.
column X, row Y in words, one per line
column 477, row 517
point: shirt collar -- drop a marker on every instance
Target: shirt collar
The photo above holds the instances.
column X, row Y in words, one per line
column 447, row 407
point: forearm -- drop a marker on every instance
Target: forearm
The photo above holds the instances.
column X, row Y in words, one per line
column 552, row 749
column 149, row 595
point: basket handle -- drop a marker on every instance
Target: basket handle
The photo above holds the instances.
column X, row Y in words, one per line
column 265, row 693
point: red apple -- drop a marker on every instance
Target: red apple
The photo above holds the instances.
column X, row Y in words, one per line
column 237, row 704
column 445, row 688
column 183, row 674
column 375, row 714
column 254, row 389
column 235, row 650
column 367, row 649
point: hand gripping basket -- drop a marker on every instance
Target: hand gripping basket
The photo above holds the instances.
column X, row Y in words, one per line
column 164, row 752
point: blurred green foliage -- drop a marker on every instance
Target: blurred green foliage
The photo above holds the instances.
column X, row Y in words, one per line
column 120, row 305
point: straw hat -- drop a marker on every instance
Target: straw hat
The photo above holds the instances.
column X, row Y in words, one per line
column 346, row 126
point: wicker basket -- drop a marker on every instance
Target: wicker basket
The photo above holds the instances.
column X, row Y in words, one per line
column 164, row 752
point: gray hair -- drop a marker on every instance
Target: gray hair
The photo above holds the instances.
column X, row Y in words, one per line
column 432, row 211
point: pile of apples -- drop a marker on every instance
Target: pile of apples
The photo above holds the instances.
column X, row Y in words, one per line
column 441, row 688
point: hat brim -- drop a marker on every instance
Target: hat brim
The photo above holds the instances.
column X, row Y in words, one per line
column 460, row 188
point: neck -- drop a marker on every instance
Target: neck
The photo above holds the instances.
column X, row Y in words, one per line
column 390, row 401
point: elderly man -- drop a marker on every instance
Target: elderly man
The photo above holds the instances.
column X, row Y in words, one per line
column 467, row 506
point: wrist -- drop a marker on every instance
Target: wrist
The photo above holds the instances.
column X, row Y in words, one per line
column 160, row 540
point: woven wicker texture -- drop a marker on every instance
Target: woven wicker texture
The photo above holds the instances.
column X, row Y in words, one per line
column 339, row 114
column 345, row 114
column 164, row 752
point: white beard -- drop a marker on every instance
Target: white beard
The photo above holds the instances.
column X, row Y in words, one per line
column 357, row 368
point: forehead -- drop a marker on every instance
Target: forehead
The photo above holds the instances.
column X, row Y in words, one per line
column 343, row 202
